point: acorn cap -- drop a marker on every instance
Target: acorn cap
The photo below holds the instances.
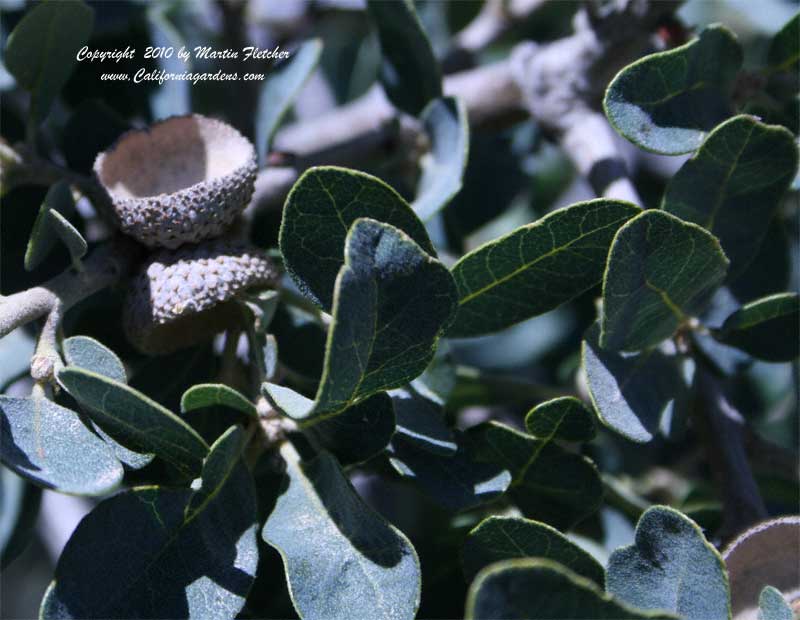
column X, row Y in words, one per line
column 178, row 181
column 182, row 297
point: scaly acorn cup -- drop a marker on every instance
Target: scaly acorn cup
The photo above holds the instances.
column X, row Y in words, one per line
column 178, row 181
column 183, row 297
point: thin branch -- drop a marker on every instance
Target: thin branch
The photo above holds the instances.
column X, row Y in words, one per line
column 495, row 18
column 107, row 264
column 722, row 430
column 562, row 83
column 371, row 127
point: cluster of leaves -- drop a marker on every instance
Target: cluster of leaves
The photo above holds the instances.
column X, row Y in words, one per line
column 383, row 315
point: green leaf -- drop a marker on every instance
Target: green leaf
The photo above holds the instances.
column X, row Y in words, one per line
column 457, row 481
column 537, row 267
column 631, row 392
column 51, row 225
column 539, row 589
column 69, row 235
column 410, row 73
column 772, row 605
column 564, row 418
column 327, row 535
column 548, row 483
column 420, row 421
column 89, row 354
column 506, row 538
column 212, row 394
column 155, row 552
column 48, row 445
column 19, row 508
column 223, row 458
column 667, row 102
column 652, row 573
column 359, row 432
column 391, row 305
column 764, row 555
column 733, row 185
column 784, row 49
column 134, row 420
column 767, row 328
column 279, row 91
column 445, row 121
column 319, row 212
column 660, row 271
column 41, row 50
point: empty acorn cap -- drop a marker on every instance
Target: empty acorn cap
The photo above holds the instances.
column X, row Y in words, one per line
column 183, row 297
column 178, row 181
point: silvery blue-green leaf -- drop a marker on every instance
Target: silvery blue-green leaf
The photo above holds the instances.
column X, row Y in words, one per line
column 173, row 97
column 661, row 270
column 89, row 354
column 73, row 240
column 631, row 392
column 764, row 555
column 319, row 212
column 41, row 50
column 16, row 350
column 537, row 267
column 733, row 185
column 446, row 124
column 410, row 73
column 212, row 394
column 564, row 418
column 767, row 328
column 667, row 102
column 134, row 420
column 540, row 589
column 186, row 554
column 784, row 49
column 51, row 225
column 49, row 445
column 505, row 538
column 327, row 535
column 282, row 85
column 224, row 456
column 772, row 605
column 456, row 481
column 391, row 304
column 359, row 432
column 653, row 572
column 19, row 507
column 421, row 421
column 548, row 483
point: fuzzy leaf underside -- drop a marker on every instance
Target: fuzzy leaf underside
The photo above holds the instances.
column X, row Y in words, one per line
column 668, row 101
column 672, row 567
column 343, row 561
